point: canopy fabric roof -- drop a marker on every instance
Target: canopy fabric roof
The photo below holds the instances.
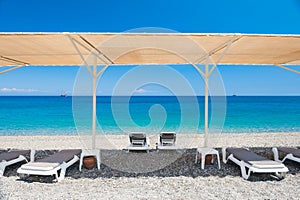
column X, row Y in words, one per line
column 47, row 49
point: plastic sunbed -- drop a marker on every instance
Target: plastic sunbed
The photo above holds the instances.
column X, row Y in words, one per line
column 138, row 141
column 52, row 164
column 167, row 140
column 12, row 157
column 291, row 153
column 253, row 162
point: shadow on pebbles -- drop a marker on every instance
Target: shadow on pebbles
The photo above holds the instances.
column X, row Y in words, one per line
column 120, row 163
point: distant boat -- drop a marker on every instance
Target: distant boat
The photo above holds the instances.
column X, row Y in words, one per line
column 234, row 95
column 63, row 94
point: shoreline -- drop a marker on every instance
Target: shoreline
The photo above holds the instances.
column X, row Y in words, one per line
column 184, row 141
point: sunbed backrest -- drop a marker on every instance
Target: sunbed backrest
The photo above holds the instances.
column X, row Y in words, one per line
column 13, row 154
column 287, row 150
column 245, row 155
column 137, row 136
column 168, row 135
column 61, row 156
column 296, row 153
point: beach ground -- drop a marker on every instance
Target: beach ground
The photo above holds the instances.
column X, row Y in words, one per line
column 157, row 175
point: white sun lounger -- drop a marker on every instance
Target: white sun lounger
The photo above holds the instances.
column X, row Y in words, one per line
column 12, row 157
column 253, row 162
column 291, row 153
column 167, row 140
column 52, row 164
column 138, row 141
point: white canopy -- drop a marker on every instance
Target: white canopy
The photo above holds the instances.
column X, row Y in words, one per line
column 48, row 49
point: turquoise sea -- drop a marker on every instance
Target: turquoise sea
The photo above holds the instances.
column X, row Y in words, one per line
column 36, row 115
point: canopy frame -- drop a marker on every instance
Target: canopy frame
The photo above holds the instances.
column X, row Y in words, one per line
column 288, row 69
column 95, row 75
column 12, row 68
column 206, row 74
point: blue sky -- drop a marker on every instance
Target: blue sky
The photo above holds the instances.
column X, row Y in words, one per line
column 249, row 16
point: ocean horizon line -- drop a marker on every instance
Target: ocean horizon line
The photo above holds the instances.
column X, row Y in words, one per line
column 150, row 96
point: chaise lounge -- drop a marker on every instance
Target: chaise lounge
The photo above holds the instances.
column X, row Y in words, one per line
column 12, row 157
column 52, row 164
column 138, row 141
column 253, row 162
column 290, row 153
column 167, row 140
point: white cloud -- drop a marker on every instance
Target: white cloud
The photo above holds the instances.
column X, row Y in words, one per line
column 17, row 90
column 141, row 91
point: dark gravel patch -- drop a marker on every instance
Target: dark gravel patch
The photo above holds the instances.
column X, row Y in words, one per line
column 184, row 165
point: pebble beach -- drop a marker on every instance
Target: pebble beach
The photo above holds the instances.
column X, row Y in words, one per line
column 156, row 175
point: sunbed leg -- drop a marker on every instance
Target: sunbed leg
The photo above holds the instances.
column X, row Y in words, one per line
column 243, row 170
column 224, row 155
column 98, row 159
column 56, row 176
column 80, row 161
column 2, row 167
column 32, row 153
column 219, row 164
column 275, row 152
column 62, row 172
column 280, row 175
column 202, row 160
